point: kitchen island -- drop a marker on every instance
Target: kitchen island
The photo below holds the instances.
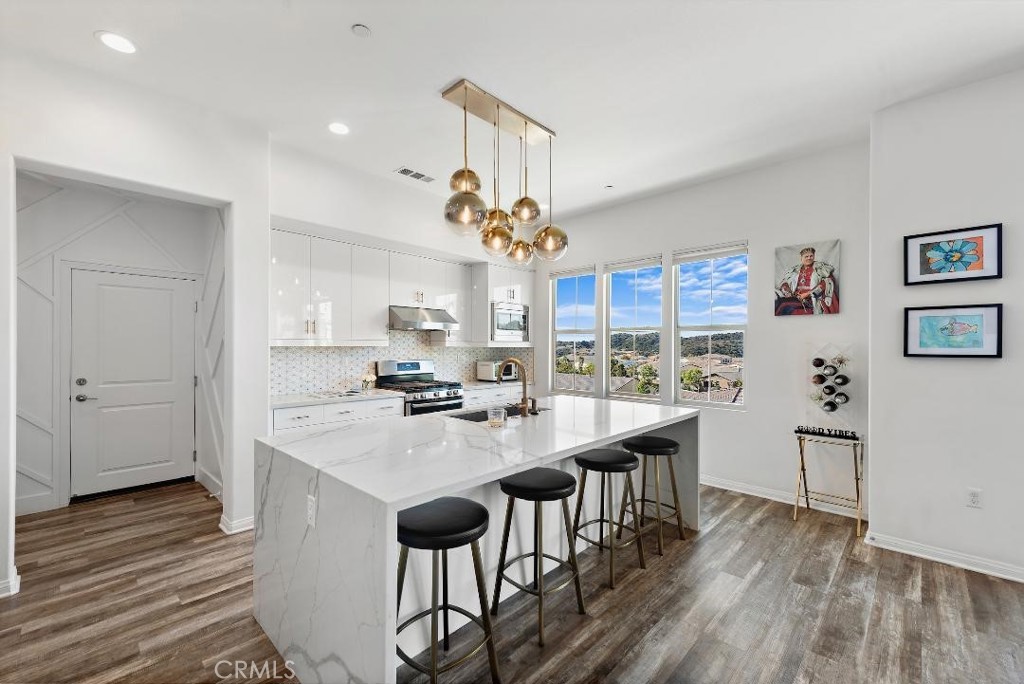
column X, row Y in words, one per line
column 326, row 555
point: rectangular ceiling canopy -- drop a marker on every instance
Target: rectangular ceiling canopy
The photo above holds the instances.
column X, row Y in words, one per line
column 483, row 105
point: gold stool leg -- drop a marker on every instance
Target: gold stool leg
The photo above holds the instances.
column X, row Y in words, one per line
column 538, row 548
column 643, row 491
column 636, row 523
column 503, row 555
column 622, row 515
column 433, row 617
column 444, row 596
column 403, row 561
column 579, row 502
column 570, row 538
column 611, row 536
column 675, row 498
column 657, row 504
column 485, row 614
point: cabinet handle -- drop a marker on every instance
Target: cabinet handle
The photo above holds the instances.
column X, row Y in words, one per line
column 307, row 326
column 314, row 326
column 299, row 417
column 341, row 413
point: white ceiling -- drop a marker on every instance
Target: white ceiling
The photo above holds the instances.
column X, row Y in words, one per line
column 643, row 95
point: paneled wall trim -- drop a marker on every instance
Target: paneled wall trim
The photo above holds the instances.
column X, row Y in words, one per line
column 63, row 222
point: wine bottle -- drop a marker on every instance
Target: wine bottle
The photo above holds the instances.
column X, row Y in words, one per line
column 841, row 380
column 829, row 406
column 841, row 398
column 828, row 390
column 829, row 370
column 818, row 379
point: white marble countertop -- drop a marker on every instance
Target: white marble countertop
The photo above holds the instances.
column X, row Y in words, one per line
column 404, row 461
column 292, row 400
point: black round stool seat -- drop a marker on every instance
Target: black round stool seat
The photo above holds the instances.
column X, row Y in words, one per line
column 608, row 461
column 539, row 484
column 652, row 446
column 443, row 523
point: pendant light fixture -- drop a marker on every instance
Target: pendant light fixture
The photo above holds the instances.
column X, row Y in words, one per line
column 550, row 243
column 465, row 210
column 496, row 236
column 525, row 210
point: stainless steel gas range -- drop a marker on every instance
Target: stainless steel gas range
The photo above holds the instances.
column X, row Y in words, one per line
column 423, row 394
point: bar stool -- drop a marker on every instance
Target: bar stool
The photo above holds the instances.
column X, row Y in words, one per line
column 608, row 462
column 437, row 526
column 539, row 485
column 647, row 446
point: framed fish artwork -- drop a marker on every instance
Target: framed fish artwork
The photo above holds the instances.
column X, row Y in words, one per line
column 954, row 331
column 953, row 255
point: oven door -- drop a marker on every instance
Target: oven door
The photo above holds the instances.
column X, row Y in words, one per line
column 418, row 408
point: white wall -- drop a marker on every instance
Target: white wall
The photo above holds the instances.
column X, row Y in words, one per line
column 814, row 198
column 939, row 426
column 62, row 221
column 73, row 124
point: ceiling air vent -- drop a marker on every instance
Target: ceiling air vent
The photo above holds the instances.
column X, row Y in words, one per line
column 415, row 175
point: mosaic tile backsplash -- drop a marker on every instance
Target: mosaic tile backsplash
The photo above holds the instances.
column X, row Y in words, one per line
column 300, row 370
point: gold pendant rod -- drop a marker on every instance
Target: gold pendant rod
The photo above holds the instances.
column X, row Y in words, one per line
column 495, row 111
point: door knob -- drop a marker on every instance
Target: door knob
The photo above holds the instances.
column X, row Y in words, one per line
column 82, row 397
column 81, row 381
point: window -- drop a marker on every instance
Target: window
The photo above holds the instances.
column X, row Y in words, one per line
column 711, row 325
column 575, row 321
column 634, row 329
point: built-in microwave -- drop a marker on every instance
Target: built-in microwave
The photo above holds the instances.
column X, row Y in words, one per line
column 510, row 322
column 488, row 370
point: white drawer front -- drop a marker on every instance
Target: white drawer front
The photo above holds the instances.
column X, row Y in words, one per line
column 380, row 408
column 335, row 413
column 298, row 416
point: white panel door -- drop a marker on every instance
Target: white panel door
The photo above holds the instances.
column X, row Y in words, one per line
column 330, row 287
column 290, row 317
column 370, row 294
column 132, row 367
column 432, row 283
column 405, row 279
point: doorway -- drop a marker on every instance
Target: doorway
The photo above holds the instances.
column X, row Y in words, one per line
column 133, row 380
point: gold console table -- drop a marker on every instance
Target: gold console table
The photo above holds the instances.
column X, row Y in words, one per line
column 854, row 503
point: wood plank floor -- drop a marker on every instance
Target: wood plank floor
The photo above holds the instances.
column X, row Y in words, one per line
column 145, row 588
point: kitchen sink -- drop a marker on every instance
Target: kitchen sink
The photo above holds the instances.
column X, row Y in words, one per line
column 481, row 415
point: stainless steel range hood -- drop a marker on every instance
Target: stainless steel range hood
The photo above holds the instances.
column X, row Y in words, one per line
column 420, row 318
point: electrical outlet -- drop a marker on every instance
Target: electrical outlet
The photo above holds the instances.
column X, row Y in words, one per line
column 311, row 510
column 973, row 498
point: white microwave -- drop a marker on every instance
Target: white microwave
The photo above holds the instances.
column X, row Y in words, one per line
column 488, row 370
column 510, row 322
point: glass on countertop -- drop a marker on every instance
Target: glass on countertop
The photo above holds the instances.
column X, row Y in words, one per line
column 496, row 417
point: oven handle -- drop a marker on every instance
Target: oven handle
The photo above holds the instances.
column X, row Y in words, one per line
column 435, row 403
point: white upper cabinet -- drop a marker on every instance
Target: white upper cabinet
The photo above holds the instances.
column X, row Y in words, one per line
column 370, row 295
column 406, row 288
column 456, row 300
column 417, row 281
column 432, row 283
column 324, row 292
column 330, row 285
column 289, row 286
column 510, row 285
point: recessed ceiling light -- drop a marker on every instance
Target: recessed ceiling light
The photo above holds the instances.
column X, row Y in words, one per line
column 115, row 41
column 338, row 128
column 361, row 30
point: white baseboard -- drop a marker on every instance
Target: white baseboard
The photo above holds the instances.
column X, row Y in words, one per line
column 776, row 495
column 954, row 558
column 10, row 587
column 236, row 526
column 210, row 481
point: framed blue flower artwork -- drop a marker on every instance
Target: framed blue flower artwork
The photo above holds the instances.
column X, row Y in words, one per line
column 954, row 331
column 953, row 255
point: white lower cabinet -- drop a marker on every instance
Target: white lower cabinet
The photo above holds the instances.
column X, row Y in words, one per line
column 326, row 416
column 489, row 395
